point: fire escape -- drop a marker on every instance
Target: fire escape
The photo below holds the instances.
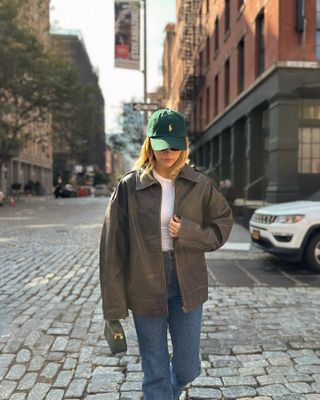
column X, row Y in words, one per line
column 192, row 34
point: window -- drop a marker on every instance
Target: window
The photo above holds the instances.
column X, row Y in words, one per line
column 227, row 16
column 208, row 105
column 318, row 30
column 208, row 51
column 216, row 34
column 309, row 150
column 201, row 62
column 216, row 94
column 241, row 66
column 201, row 113
column 309, row 109
column 226, row 82
column 208, row 6
column 260, row 44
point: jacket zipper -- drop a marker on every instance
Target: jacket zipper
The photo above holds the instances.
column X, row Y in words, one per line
column 163, row 272
column 184, row 308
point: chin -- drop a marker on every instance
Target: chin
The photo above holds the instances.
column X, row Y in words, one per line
column 169, row 164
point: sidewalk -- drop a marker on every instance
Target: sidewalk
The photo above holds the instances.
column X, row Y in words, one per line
column 239, row 239
column 239, row 246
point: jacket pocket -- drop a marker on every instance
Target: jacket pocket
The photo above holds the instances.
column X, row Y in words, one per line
column 193, row 269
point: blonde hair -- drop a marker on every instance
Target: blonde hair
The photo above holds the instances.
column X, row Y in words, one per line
column 147, row 160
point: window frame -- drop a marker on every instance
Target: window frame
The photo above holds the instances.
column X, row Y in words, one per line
column 312, row 147
column 309, row 119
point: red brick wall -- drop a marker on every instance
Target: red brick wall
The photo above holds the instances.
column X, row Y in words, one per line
column 294, row 46
column 242, row 24
column 281, row 42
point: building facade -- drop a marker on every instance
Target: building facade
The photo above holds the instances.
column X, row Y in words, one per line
column 247, row 80
column 93, row 155
column 34, row 162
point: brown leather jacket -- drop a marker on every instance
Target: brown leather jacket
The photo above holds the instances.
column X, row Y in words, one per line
column 132, row 275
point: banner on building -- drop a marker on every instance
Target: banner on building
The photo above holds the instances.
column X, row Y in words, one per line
column 127, row 34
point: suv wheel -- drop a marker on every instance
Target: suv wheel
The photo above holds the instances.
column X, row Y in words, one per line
column 312, row 254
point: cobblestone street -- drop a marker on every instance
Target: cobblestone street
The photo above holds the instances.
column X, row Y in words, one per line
column 258, row 343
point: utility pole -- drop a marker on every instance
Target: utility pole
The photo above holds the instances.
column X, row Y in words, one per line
column 145, row 57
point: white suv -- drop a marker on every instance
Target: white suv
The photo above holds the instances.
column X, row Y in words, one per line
column 290, row 230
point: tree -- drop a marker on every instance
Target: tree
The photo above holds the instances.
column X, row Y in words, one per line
column 132, row 127
column 37, row 87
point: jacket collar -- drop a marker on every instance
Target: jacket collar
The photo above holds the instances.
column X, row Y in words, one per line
column 189, row 173
column 186, row 172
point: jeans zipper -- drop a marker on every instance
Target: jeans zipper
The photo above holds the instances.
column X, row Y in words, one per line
column 184, row 308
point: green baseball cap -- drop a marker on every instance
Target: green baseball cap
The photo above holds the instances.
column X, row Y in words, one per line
column 167, row 129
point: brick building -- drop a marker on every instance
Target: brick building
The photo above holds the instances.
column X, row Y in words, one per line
column 34, row 162
column 70, row 44
column 246, row 75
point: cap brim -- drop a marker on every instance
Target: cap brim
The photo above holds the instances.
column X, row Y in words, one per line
column 168, row 142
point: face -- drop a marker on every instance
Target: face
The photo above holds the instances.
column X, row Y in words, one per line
column 166, row 158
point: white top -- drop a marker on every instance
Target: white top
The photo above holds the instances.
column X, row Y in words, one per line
column 167, row 206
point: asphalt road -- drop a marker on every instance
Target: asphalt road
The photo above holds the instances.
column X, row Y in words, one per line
column 260, row 272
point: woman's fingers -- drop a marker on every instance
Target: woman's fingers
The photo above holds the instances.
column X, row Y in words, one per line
column 174, row 228
column 173, row 222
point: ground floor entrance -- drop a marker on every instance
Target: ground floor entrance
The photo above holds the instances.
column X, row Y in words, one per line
column 268, row 143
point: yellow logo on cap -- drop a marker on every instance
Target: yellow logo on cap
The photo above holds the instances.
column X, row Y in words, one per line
column 170, row 128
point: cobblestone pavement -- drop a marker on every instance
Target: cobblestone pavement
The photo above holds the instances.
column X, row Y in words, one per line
column 257, row 342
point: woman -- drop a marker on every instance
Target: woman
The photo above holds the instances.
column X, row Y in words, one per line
column 160, row 220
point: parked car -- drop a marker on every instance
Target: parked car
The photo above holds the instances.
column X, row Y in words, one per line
column 101, row 190
column 290, row 230
column 84, row 190
column 68, row 191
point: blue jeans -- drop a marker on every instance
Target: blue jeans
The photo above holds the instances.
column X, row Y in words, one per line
column 165, row 379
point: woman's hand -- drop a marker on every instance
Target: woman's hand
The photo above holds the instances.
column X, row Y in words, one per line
column 174, row 226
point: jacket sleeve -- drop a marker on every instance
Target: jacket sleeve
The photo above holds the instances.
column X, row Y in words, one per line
column 217, row 225
column 114, row 256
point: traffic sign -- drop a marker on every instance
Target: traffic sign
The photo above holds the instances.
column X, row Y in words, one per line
column 145, row 106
